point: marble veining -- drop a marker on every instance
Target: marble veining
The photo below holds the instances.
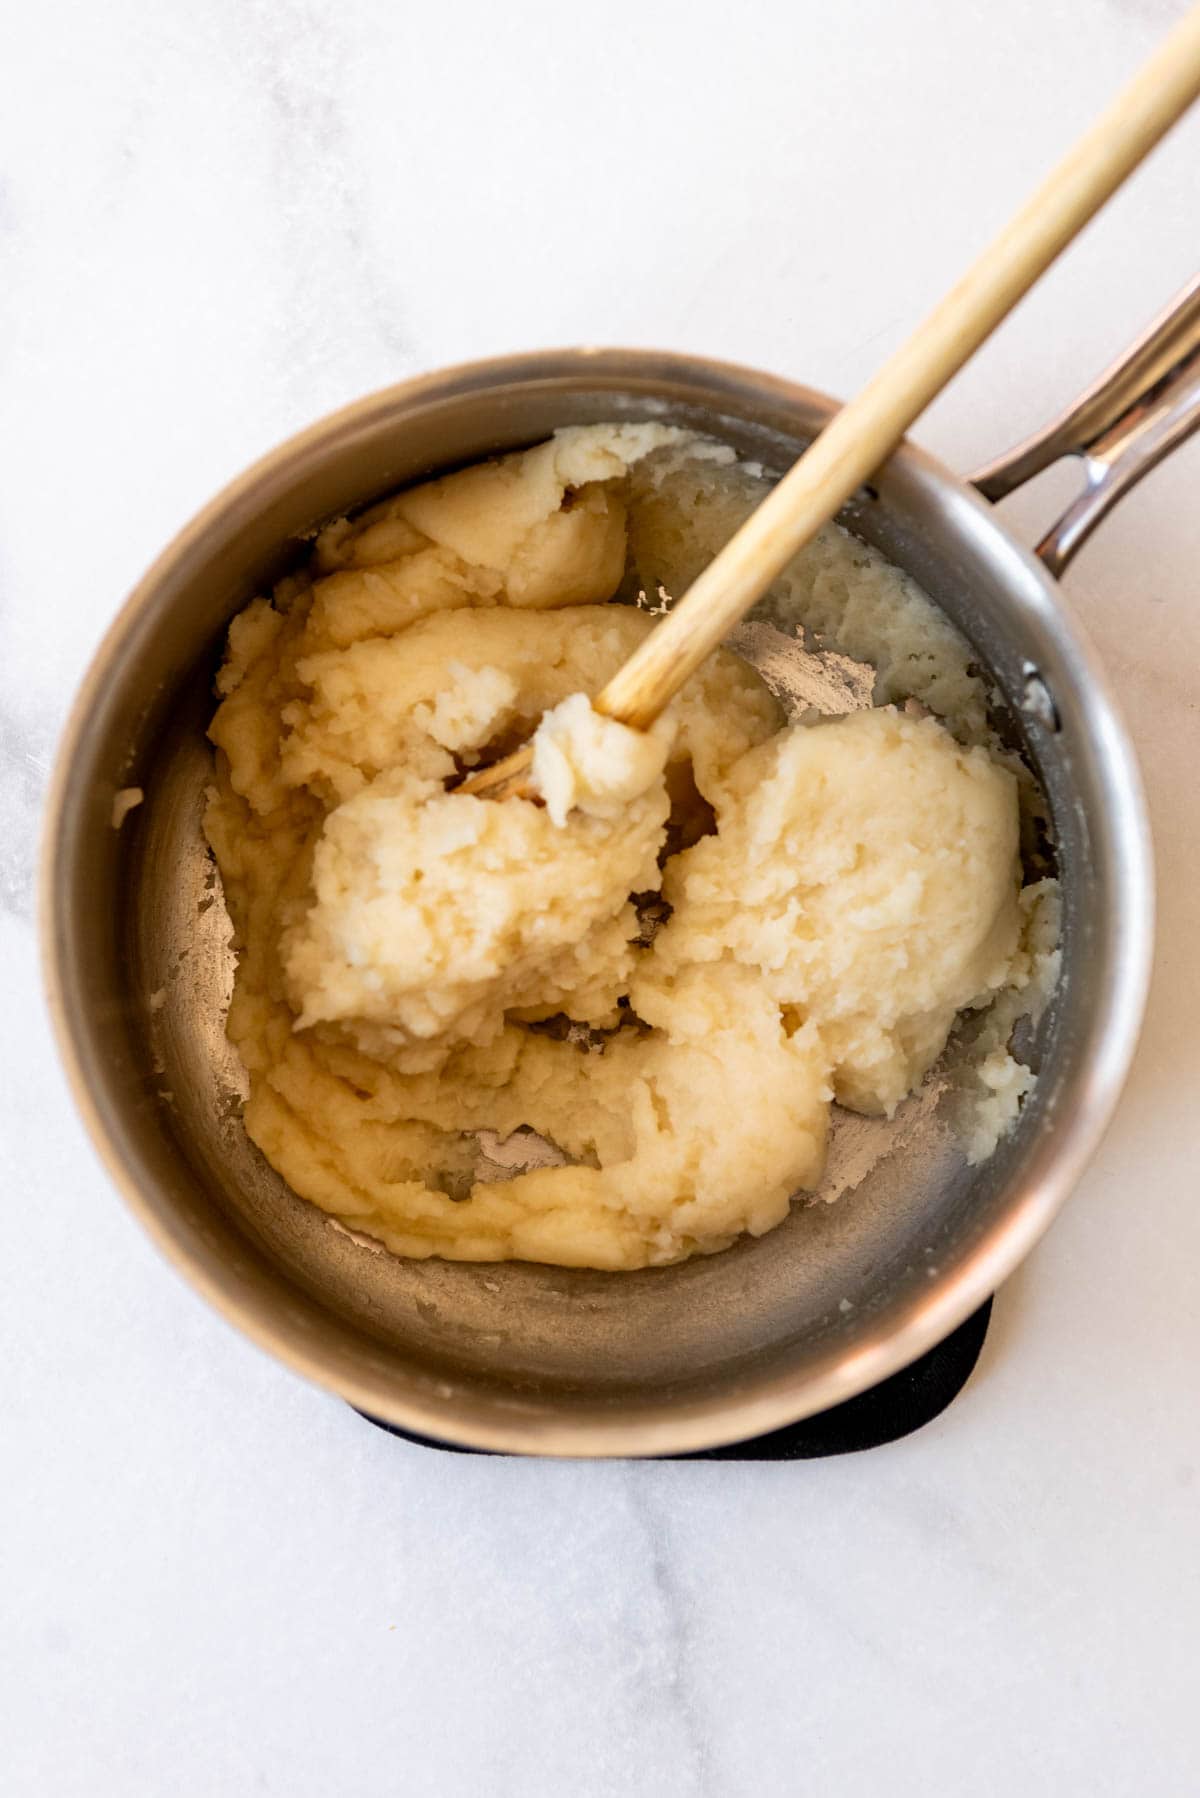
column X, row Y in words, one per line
column 299, row 56
column 667, row 1615
column 25, row 751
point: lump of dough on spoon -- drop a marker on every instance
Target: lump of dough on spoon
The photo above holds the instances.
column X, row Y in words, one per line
column 584, row 760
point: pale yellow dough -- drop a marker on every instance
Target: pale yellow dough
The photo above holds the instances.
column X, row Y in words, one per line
column 416, row 965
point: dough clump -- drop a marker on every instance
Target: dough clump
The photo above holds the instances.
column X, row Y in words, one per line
column 667, row 970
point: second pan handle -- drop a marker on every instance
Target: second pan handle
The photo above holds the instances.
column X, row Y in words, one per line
column 1138, row 411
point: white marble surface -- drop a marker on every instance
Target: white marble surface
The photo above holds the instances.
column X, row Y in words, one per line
column 220, row 218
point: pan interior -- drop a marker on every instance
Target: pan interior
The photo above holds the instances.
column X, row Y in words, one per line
column 907, row 1205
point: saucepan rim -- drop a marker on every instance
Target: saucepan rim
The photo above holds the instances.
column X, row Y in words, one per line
column 687, row 1425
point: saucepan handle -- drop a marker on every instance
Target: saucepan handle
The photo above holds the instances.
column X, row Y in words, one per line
column 1135, row 414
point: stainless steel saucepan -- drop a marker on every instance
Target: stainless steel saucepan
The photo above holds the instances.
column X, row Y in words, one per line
column 540, row 1359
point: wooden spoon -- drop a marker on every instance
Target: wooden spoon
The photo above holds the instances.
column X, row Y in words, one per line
column 865, row 432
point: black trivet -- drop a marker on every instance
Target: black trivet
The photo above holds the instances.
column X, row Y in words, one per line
column 894, row 1408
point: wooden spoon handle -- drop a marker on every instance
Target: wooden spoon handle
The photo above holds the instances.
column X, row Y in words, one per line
column 865, row 431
